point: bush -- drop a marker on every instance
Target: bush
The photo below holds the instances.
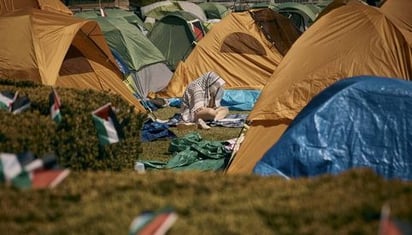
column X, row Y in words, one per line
column 74, row 140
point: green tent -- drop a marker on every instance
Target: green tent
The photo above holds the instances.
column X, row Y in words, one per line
column 214, row 10
column 175, row 35
column 158, row 10
column 147, row 71
column 129, row 16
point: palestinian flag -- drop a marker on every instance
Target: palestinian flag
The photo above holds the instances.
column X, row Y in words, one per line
column 13, row 171
column 25, row 171
column 108, row 128
column 392, row 226
column 153, row 222
column 12, row 102
column 6, row 100
column 54, row 103
column 20, row 104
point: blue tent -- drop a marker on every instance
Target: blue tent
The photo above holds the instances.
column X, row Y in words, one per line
column 359, row 122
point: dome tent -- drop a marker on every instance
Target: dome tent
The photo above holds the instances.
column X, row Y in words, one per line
column 145, row 63
column 244, row 48
column 335, row 47
column 59, row 50
column 356, row 122
column 175, row 35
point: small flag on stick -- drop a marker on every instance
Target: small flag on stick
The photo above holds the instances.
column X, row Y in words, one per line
column 392, row 226
column 54, row 102
column 12, row 170
column 25, row 171
column 6, row 100
column 12, row 102
column 153, row 222
column 108, row 128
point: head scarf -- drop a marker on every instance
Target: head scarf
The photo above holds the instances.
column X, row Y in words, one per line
column 205, row 91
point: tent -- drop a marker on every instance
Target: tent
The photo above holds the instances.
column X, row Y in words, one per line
column 322, row 4
column 303, row 15
column 399, row 12
column 59, row 50
column 333, row 5
column 158, row 10
column 155, row 11
column 214, row 10
column 56, row 6
column 144, row 61
column 129, row 16
column 193, row 8
column 360, row 122
column 175, row 35
column 244, row 48
column 352, row 40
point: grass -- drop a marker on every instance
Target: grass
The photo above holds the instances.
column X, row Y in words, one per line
column 105, row 202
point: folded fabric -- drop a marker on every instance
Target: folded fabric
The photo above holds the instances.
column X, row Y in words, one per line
column 232, row 120
column 155, row 130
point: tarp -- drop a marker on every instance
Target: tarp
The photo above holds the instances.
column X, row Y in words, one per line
column 360, row 122
column 243, row 48
column 352, row 40
column 193, row 153
column 59, row 50
column 240, row 99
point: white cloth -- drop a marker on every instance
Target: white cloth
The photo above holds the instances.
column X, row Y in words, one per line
column 205, row 91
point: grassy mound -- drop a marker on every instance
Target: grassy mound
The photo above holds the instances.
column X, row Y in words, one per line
column 103, row 194
column 206, row 203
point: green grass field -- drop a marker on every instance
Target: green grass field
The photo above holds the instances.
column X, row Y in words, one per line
column 105, row 202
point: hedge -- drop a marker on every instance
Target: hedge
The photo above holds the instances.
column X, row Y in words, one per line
column 74, row 141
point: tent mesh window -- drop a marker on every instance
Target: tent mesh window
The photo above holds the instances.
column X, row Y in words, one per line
column 242, row 43
column 278, row 30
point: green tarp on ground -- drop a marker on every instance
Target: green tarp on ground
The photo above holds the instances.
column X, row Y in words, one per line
column 192, row 152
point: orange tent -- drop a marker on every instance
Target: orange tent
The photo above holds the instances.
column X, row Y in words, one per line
column 354, row 39
column 244, row 48
column 59, row 50
column 400, row 13
column 56, row 6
